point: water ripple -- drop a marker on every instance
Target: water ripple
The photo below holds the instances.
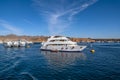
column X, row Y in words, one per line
column 10, row 66
column 33, row 64
column 29, row 75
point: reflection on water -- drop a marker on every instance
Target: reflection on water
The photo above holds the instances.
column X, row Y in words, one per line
column 15, row 49
column 62, row 59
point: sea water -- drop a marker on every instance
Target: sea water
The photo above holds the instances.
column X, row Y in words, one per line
column 34, row 64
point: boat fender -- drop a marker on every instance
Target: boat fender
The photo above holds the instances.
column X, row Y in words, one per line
column 72, row 47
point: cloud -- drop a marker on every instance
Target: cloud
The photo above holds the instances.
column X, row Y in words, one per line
column 27, row 21
column 60, row 13
column 8, row 28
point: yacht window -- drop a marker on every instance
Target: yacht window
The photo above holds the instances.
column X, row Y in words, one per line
column 52, row 40
column 62, row 40
column 56, row 36
column 52, row 44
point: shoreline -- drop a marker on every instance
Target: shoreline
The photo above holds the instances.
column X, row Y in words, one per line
column 38, row 39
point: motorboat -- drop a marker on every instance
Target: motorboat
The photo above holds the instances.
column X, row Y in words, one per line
column 16, row 43
column 1, row 42
column 61, row 43
column 8, row 44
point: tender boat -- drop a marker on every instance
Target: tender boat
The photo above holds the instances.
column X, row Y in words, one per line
column 61, row 43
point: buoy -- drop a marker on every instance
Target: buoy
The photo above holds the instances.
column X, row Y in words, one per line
column 92, row 51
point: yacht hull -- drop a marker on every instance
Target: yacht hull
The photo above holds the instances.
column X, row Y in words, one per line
column 64, row 49
column 58, row 50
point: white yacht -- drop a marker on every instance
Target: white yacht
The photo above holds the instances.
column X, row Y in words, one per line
column 60, row 43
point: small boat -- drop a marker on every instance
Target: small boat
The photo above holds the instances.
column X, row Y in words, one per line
column 17, row 43
column 29, row 42
column 61, row 43
column 1, row 42
column 8, row 44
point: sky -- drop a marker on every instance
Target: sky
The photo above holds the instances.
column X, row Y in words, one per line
column 73, row 18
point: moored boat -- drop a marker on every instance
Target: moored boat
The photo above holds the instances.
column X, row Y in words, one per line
column 16, row 43
column 60, row 43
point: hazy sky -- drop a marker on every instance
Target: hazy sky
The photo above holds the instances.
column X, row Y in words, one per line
column 76, row 18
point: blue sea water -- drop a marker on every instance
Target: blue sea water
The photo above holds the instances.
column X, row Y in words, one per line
column 33, row 64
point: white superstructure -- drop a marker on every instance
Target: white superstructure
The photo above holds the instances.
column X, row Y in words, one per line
column 60, row 43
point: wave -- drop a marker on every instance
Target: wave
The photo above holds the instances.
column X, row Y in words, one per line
column 114, row 47
column 10, row 66
column 110, row 46
column 29, row 74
